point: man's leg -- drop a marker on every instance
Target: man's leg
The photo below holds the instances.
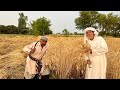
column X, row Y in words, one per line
column 24, row 78
column 36, row 76
column 45, row 77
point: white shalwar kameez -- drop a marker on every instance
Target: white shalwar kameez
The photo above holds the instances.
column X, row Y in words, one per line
column 97, row 69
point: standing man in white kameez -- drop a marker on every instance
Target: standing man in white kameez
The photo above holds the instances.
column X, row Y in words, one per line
column 96, row 60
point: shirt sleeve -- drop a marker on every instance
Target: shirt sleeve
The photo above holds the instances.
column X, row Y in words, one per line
column 28, row 48
column 102, row 47
column 47, row 49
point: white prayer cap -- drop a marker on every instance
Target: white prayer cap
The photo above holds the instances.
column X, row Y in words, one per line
column 44, row 38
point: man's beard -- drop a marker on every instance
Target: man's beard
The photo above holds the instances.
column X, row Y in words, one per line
column 43, row 45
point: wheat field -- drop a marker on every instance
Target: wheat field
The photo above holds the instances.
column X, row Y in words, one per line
column 64, row 56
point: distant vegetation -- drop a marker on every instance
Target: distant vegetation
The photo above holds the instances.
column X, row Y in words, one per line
column 106, row 24
column 41, row 26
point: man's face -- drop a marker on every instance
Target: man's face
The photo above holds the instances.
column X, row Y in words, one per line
column 90, row 34
column 43, row 43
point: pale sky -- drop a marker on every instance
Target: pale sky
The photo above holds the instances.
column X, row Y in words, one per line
column 59, row 19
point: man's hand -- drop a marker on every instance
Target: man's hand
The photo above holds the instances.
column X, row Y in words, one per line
column 32, row 51
column 88, row 62
column 88, row 50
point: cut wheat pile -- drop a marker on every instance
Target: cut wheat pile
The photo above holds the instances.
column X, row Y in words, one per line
column 65, row 57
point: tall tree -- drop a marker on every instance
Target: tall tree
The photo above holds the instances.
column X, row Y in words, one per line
column 65, row 32
column 108, row 24
column 112, row 23
column 86, row 19
column 22, row 22
column 41, row 26
column 102, row 18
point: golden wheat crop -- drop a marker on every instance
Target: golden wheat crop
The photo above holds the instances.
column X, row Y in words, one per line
column 64, row 56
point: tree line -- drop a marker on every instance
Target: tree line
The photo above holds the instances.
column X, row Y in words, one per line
column 106, row 24
column 41, row 26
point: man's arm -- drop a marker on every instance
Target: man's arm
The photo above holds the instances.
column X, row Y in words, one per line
column 101, row 49
column 27, row 48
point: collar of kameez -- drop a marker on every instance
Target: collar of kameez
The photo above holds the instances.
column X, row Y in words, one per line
column 39, row 43
column 93, row 39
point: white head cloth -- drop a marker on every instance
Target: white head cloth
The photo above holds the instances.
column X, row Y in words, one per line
column 92, row 29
